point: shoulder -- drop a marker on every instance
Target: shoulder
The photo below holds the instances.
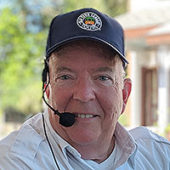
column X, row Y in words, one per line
column 142, row 133
column 152, row 150
column 21, row 145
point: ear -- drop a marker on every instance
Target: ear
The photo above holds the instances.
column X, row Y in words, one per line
column 126, row 92
column 47, row 91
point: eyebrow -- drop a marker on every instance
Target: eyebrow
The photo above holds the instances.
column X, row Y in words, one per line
column 104, row 69
column 61, row 69
column 100, row 69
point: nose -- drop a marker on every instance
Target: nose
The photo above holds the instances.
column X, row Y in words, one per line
column 84, row 90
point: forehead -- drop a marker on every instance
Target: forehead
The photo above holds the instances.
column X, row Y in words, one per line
column 87, row 45
column 85, row 54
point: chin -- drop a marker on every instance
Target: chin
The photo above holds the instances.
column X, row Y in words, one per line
column 83, row 137
column 82, row 141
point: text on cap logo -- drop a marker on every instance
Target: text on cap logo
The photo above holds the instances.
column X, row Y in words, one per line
column 89, row 21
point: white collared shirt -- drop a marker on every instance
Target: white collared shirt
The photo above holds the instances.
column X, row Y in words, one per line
column 27, row 148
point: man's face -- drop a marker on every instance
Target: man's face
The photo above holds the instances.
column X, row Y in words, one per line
column 84, row 80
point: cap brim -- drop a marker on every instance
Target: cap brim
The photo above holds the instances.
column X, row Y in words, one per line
column 68, row 40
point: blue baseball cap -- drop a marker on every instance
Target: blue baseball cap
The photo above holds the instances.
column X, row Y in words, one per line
column 89, row 24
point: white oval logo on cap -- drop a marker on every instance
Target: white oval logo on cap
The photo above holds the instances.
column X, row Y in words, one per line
column 89, row 21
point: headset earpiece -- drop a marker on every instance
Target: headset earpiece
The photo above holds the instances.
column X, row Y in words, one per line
column 45, row 73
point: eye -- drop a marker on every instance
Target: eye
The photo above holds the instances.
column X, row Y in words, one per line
column 63, row 77
column 104, row 78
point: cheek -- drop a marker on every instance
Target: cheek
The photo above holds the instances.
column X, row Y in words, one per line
column 113, row 103
column 60, row 97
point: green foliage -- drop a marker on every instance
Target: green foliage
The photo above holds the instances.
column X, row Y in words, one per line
column 23, row 32
column 116, row 7
column 167, row 129
column 20, row 58
column 37, row 14
column 70, row 5
column 123, row 119
column 110, row 7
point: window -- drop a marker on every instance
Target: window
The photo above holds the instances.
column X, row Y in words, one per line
column 149, row 96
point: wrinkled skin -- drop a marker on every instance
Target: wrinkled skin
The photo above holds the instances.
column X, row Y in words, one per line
column 85, row 80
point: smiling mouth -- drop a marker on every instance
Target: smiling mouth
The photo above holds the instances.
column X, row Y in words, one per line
column 85, row 115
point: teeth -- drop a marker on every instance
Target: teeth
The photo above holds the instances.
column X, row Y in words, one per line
column 85, row 116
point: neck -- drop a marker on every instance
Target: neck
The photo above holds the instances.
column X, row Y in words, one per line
column 96, row 152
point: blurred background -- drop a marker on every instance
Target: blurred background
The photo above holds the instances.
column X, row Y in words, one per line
column 23, row 33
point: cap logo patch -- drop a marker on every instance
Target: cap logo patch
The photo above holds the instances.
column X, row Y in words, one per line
column 89, row 21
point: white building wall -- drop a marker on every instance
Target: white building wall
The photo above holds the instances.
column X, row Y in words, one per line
column 136, row 90
column 139, row 59
column 163, row 57
column 136, row 5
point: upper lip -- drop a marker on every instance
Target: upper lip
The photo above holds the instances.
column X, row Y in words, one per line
column 85, row 113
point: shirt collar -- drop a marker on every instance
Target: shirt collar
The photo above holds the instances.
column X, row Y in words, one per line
column 57, row 140
column 125, row 143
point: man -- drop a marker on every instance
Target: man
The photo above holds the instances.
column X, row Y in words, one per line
column 86, row 92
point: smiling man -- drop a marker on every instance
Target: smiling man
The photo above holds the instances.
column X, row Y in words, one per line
column 86, row 92
column 81, row 75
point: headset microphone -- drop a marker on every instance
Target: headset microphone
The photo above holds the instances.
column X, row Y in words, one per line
column 66, row 119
